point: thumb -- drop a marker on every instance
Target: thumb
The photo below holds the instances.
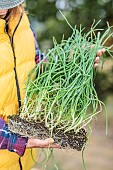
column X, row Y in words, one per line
column 49, row 141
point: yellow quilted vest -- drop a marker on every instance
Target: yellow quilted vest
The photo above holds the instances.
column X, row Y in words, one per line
column 17, row 59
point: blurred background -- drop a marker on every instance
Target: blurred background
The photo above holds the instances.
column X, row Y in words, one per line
column 48, row 23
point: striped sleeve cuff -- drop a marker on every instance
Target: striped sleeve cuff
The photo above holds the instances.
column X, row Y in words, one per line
column 17, row 144
column 12, row 142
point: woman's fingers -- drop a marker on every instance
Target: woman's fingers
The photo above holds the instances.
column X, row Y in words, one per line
column 37, row 143
column 97, row 59
column 96, row 62
column 95, row 65
column 48, row 143
column 100, row 52
column 43, row 143
column 50, row 146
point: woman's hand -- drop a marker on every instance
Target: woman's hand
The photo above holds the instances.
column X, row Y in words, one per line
column 99, row 54
column 37, row 143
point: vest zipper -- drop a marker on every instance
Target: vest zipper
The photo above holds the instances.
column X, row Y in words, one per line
column 20, row 164
column 16, row 77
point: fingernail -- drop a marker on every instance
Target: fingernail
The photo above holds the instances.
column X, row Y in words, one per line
column 51, row 140
column 103, row 50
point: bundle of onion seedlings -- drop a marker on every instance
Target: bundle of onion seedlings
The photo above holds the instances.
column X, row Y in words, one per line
column 62, row 99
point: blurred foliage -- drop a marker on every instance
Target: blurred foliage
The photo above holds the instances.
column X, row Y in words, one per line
column 48, row 22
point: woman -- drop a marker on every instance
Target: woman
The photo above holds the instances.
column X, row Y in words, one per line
column 18, row 56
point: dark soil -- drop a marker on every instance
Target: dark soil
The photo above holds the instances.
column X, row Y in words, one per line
column 69, row 140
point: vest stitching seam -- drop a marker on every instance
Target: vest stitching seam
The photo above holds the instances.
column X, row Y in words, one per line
column 8, row 72
column 5, row 105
